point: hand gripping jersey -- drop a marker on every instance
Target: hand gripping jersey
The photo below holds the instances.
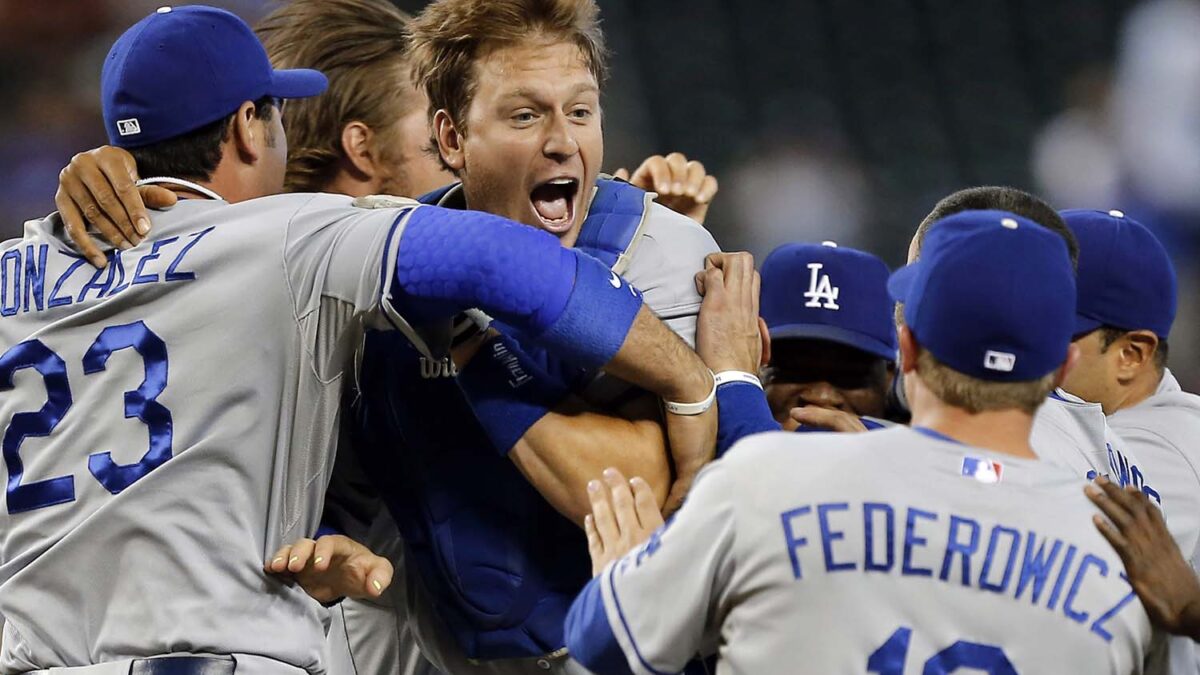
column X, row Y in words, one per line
column 1165, row 429
column 896, row 552
column 500, row 564
column 169, row 421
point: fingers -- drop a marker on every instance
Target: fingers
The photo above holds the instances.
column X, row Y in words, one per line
column 622, row 174
column 708, row 190
column 677, row 165
column 827, row 418
column 700, row 286
column 622, row 502
column 602, row 515
column 653, row 175
column 157, row 197
column 105, row 182
column 120, row 173
column 76, row 226
column 1115, row 539
column 1110, row 500
column 302, row 553
column 278, row 562
column 694, row 175
column 595, row 545
column 323, row 552
column 379, row 576
column 645, row 504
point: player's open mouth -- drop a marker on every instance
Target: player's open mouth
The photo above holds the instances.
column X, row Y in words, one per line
column 554, row 203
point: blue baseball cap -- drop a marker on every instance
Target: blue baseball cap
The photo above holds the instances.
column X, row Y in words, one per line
column 1126, row 279
column 183, row 67
column 992, row 296
column 825, row 292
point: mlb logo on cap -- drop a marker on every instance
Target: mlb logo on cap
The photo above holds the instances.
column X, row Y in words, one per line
column 992, row 296
column 1001, row 361
column 982, row 470
column 181, row 68
column 129, row 127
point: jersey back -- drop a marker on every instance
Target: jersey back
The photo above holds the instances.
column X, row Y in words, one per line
column 169, row 421
column 892, row 552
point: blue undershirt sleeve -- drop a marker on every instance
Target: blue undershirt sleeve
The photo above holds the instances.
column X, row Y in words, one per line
column 448, row 260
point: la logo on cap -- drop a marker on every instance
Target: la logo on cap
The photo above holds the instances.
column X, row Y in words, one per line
column 821, row 291
column 129, row 127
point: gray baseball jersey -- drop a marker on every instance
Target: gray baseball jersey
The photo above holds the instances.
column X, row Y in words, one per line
column 170, row 421
column 1165, row 429
column 898, row 551
column 1075, row 434
column 662, row 262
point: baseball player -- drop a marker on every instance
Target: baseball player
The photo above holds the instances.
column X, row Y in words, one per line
column 956, row 547
column 248, row 438
column 1126, row 305
column 833, row 344
column 1068, row 430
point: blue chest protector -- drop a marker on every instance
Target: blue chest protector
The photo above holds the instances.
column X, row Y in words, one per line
column 502, row 565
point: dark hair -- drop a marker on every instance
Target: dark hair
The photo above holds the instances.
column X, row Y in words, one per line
column 998, row 198
column 1110, row 334
column 196, row 154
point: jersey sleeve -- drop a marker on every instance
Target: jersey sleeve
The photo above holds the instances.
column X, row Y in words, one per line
column 670, row 251
column 337, row 260
column 662, row 603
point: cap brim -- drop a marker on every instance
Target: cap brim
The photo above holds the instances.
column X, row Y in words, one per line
column 297, row 83
column 901, row 281
column 818, row 331
column 1085, row 325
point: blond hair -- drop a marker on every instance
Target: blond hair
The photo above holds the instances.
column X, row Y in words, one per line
column 450, row 35
column 975, row 395
column 361, row 47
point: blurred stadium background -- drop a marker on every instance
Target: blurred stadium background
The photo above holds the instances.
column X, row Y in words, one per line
column 822, row 119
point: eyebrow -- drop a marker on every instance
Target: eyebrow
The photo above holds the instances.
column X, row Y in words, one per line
column 580, row 88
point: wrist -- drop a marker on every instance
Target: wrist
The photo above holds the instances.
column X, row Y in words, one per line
column 693, row 386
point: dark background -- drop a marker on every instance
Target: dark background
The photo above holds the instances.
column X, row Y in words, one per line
column 822, row 119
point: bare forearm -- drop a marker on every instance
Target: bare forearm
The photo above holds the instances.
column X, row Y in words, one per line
column 574, row 444
column 657, row 360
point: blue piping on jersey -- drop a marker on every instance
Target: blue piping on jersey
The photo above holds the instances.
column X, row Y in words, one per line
column 625, row 623
column 936, row 434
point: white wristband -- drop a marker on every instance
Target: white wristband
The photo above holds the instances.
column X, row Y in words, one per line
column 727, row 376
column 698, row 408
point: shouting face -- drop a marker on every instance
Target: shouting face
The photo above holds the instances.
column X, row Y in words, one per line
column 531, row 145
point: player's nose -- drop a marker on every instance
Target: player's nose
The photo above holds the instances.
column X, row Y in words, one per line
column 560, row 141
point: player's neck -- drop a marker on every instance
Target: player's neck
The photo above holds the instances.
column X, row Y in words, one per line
column 1004, row 431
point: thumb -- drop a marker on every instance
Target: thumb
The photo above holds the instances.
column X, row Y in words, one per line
column 158, row 197
column 622, row 174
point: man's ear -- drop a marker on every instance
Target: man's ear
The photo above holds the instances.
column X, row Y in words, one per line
column 449, row 140
column 1136, row 351
column 908, row 350
column 243, row 134
column 357, row 146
